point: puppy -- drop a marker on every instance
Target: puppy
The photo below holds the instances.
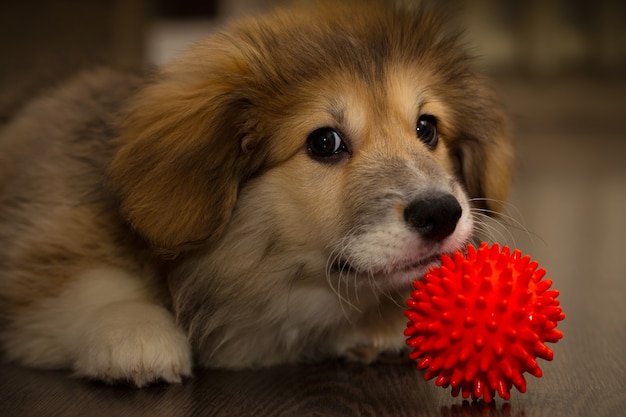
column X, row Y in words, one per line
column 266, row 198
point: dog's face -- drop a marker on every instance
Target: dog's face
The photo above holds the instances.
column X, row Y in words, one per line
column 365, row 178
column 337, row 144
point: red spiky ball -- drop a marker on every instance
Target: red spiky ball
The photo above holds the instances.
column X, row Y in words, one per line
column 479, row 321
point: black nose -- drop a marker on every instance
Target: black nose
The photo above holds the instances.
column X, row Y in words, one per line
column 434, row 217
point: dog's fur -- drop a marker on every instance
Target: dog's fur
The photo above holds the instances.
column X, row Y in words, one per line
column 143, row 219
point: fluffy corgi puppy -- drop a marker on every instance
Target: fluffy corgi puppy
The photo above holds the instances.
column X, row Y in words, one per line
column 266, row 198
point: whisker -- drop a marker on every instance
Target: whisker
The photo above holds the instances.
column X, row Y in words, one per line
column 502, row 215
column 495, row 223
column 394, row 299
column 343, row 301
column 345, row 274
column 496, row 232
column 355, row 283
column 402, row 296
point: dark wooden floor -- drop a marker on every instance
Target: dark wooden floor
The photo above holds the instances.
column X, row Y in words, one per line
column 570, row 196
column 325, row 390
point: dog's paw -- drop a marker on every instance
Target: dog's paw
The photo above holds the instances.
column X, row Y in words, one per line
column 369, row 354
column 361, row 353
column 374, row 342
column 136, row 343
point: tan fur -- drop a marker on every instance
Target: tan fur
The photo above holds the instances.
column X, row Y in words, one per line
column 184, row 211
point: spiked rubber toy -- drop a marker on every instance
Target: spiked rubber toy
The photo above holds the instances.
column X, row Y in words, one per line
column 478, row 322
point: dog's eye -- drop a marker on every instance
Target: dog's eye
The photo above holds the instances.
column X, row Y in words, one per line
column 427, row 130
column 325, row 143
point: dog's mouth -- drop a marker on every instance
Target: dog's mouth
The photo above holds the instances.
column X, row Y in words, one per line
column 396, row 274
column 420, row 264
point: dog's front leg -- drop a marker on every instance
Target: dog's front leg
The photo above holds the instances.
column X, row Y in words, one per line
column 105, row 326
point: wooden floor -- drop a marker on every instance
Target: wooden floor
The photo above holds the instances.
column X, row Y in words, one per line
column 570, row 198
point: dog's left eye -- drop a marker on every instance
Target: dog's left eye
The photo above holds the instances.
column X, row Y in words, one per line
column 325, row 143
column 427, row 130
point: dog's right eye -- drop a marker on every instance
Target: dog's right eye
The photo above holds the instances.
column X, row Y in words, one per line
column 325, row 144
column 427, row 130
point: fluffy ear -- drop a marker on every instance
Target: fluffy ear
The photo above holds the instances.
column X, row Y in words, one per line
column 485, row 153
column 486, row 171
column 183, row 153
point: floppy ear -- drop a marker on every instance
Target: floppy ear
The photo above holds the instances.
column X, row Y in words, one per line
column 485, row 153
column 183, row 153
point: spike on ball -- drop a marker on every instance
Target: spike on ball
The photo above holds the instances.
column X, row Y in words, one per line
column 478, row 322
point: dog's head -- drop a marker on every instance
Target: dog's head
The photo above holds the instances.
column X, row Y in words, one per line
column 363, row 134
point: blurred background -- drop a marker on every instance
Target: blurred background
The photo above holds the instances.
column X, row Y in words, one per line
column 540, row 38
column 559, row 66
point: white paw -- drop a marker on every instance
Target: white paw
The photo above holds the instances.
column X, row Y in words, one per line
column 132, row 342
